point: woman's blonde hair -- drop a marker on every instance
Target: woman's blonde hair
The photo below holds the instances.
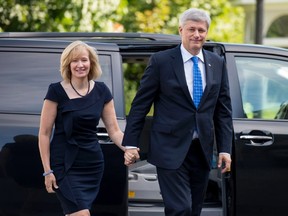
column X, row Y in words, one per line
column 73, row 50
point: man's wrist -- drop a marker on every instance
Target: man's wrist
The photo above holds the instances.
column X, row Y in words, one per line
column 130, row 147
column 224, row 153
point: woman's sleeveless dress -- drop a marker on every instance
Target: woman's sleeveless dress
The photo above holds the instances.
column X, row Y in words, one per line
column 76, row 156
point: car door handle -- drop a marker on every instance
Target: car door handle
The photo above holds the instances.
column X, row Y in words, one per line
column 150, row 177
column 103, row 138
column 257, row 140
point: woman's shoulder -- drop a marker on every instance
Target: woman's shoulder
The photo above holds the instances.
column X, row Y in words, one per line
column 97, row 82
column 100, row 84
column 55, row 84
column 103, row 89
column 54, row 91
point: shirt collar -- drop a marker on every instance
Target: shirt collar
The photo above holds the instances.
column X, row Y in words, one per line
column 187, row 56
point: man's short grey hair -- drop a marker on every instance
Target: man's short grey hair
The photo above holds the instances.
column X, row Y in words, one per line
column 194, row 14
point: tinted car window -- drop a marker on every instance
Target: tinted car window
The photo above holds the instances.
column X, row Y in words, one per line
column 27, row 69
column 19, row 88
column 264, row 86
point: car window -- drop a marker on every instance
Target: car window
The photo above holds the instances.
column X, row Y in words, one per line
column 25, row 77
column 264, row 87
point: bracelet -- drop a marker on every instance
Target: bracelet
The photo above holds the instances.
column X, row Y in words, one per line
column 47, row 173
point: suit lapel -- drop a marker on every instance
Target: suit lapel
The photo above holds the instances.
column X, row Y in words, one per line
column 208, row 62
column 178, row 69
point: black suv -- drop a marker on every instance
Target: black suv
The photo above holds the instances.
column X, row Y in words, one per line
column 258, row 77
column 28, row 67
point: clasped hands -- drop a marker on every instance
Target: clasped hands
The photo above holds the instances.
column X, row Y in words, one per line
column 131, row 155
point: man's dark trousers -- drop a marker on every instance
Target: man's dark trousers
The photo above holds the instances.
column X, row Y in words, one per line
column 186, row 197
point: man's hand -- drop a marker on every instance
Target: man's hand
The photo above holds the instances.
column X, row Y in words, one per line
column 224, row 162
column 131, row 155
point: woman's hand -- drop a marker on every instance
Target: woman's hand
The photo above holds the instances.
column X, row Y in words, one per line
column 50, row 183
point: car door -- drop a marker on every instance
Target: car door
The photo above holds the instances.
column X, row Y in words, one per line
column 259, row 92
column 27, row 69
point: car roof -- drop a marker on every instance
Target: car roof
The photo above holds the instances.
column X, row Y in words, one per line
column 49, row 44
column 253, row 48
column 91, row 35
column 138, row 42
column 119, row 38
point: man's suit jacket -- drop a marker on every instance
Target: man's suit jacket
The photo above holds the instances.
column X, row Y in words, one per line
column 175, row 115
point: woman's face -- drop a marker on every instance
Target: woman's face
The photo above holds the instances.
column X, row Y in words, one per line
column 80, row 64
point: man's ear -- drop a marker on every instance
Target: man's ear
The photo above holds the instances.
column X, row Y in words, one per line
column 180, row 30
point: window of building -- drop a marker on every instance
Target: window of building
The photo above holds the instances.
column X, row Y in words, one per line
column 278, row 28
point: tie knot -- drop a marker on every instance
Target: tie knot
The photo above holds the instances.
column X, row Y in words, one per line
column 195, row 59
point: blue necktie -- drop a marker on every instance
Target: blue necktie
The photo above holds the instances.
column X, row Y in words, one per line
column 197, row 82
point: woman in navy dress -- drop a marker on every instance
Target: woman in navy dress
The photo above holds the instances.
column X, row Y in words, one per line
column 73, row 161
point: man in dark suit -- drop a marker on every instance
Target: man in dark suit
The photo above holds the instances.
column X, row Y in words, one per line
column 183, row 132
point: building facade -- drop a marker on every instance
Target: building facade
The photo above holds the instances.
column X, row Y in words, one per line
column 275, row 21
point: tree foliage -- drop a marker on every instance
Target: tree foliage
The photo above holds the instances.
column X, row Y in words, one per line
column 161, row 16
column 55, row 15
column 150, row 16
column 153, row 16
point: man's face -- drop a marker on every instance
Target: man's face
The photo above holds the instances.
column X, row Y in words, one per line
column 193, row 35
